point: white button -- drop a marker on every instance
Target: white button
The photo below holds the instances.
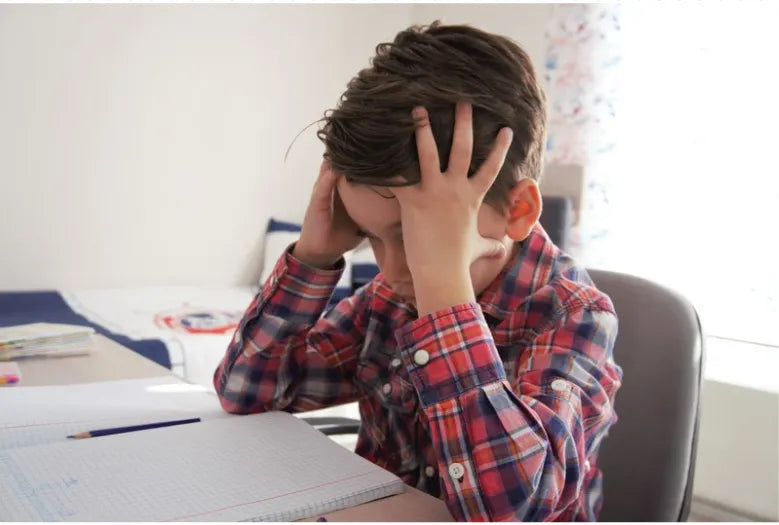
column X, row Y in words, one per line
column 456, row 471
column 587, row 466
column 421, row 357
column 395, row 362
column 387, row 388
column 559, row 385
column 237, row 336
column 430, row 471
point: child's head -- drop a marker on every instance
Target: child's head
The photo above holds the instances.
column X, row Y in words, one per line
column 369, row 137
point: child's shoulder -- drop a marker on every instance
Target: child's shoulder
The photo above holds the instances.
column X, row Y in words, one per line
column 576, row 289
column 555, row 283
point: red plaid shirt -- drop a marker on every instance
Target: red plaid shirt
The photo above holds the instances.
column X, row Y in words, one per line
column 498, row 407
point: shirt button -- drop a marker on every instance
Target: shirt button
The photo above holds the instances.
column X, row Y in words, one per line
column 237, row 336
column 456, row 471
column 559, row 385
column 430, row 471
column 587, row 466
column 387, row 388
column 421, row 357
column 395, row 362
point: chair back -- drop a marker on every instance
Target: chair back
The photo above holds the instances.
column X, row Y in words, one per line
column 648, row 458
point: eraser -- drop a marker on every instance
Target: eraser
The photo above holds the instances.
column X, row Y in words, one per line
column 10, row 372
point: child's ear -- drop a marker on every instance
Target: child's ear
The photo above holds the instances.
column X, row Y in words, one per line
column 524, row 209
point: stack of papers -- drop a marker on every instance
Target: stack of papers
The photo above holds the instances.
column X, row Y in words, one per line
column 45, row 339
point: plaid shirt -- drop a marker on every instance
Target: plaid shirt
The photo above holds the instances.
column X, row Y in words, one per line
column 498, row 407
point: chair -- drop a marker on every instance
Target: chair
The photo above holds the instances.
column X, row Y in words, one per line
column 648, row 459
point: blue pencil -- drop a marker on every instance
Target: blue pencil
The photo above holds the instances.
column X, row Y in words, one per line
column 121, row 430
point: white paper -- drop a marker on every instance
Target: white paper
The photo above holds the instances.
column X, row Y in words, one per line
column 138, row 313
column 39, row 414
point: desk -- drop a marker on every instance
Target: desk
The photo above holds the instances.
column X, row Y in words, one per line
column 112, row 361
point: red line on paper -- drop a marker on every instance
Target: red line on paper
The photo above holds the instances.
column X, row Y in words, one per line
column 272, row 497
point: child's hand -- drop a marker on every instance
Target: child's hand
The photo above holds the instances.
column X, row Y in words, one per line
column 328, row 232
column 439, row 215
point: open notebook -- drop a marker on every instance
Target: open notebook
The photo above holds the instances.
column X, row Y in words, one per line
column 266, row 467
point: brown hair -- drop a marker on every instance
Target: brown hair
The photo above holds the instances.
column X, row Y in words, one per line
column 369, row 137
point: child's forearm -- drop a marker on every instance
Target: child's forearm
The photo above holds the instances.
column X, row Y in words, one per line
column 514, row 447
column 276, row 351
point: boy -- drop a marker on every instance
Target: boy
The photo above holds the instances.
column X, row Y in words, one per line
column 481, row 357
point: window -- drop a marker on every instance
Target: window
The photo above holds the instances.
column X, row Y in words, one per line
column 695, row 203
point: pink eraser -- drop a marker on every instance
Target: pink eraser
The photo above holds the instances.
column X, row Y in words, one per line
column 10, row 372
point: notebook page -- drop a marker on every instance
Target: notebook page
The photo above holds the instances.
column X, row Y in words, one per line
column 38, row 415
column 270, row 466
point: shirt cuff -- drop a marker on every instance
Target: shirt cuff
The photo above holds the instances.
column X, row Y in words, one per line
column 293, row 283
column 449, row 352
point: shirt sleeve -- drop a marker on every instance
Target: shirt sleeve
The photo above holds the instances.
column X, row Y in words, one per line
column 285, row 355
column 513, row 450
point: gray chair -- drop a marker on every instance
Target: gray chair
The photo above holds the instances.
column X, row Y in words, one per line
column 648, row 459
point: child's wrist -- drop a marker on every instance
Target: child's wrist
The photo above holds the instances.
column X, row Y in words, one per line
column 315, row 260
column 443, row 291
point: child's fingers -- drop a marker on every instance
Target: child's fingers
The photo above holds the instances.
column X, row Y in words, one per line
column 426, row 148
column 324, row 167
column 322, row 194
column 338, row 205
column 491, row 166
column 462, row 142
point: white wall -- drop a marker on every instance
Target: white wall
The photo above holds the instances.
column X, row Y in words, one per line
column 738, row 450
column 143, row 144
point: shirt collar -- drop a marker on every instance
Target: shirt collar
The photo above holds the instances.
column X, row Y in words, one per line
column 528, row 271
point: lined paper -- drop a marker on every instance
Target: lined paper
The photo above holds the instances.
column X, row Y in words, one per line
column 266, row 467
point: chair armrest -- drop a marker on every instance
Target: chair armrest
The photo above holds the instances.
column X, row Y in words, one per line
column 330, row 426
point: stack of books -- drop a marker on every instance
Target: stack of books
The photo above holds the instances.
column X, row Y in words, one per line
column 45, row 339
